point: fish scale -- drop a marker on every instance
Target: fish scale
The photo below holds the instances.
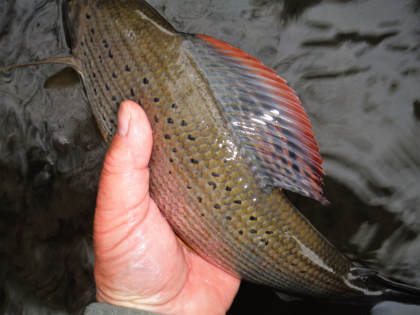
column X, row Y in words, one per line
column 213, row 221
column 228, row 136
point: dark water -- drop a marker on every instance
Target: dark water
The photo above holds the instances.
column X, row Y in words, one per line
column 356, row 67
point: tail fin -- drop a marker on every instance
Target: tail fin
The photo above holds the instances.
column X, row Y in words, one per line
column 398, row 291
column 392, row 290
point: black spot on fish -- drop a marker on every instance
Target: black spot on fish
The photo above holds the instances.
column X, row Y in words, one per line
column 268, row 232
column 171, row 160
column 94, row 74
column 240, row 232
column 216, row 206
column 253, row 231
column 183, row 123
column 228, row 188
column 114, row 98
column 193, row 161
column 156, row 99
column 105, row 43
column 82, row 43
column 110, row 55
column 87, row 16
column 203, row 215
column 174, row 150
column 238, row 202
column 170, row 173
column 167, row 137
column 228, row 218
column 174, row 106
column 127, row 68
column 199, row 199
column 114, row 75
column 100, row 58
column 191, row 138
column 252, row 218
column 189, row 187
column 132, row 92
column 292, row 155
column 215, row 174
column 95, row 91
column 156, row 119
column 296, row 168
column 92, row 30
column 145, row 81
column 106, row 87
column 213, row 184
column 170, row 121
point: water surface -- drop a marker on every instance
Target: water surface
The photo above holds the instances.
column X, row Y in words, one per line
column 354, row 64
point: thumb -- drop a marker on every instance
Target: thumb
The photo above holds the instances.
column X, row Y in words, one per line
column 124, row 183
column 132, row 239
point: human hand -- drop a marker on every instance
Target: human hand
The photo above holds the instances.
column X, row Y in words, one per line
column 139, row 263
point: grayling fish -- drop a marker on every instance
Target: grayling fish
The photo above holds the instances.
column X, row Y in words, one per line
column 229, row 135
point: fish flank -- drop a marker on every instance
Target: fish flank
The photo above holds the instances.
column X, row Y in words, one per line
column 200, row 178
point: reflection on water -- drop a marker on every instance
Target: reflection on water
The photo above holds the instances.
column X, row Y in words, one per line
column 284, row 10
column 355, row 65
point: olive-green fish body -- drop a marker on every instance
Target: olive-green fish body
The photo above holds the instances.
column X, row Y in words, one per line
column 217, row 134
column 199, row 177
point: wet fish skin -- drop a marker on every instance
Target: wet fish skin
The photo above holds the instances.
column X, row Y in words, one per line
column 200, row 178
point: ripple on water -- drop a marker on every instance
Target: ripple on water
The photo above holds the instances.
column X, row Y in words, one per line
column 355, row 66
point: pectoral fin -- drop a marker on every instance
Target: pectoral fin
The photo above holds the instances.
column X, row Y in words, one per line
column 70, row 61
column 65, row 78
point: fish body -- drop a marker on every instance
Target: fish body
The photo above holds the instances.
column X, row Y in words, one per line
column 228, row 136
column 200, row 178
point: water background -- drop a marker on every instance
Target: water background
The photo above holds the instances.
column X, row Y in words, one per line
column 354, row 64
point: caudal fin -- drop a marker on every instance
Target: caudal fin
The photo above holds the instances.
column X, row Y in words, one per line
column 392, row 290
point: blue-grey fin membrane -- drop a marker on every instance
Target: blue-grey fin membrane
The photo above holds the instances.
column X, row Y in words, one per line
column 264, row 115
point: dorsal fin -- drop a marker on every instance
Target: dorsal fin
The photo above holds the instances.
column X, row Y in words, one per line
column 265, row 116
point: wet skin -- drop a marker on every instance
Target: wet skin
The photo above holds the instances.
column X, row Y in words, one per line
column 139, row 263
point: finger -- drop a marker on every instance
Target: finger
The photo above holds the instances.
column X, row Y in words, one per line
column 131, row 237
column 125, row 176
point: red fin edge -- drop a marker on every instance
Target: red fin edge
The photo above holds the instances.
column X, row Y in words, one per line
column 287, row 100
